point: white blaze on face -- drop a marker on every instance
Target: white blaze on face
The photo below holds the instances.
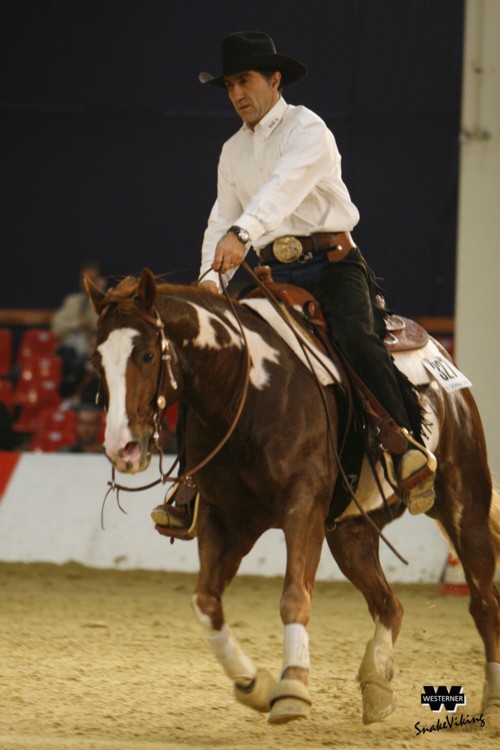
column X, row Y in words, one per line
column 115, row 352
column 260, row 351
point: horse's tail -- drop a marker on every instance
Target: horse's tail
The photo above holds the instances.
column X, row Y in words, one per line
column 495, row 520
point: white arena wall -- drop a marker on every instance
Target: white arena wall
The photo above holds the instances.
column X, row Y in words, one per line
column 50, row 511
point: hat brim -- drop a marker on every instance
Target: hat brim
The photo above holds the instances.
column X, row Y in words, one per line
column 291, row 70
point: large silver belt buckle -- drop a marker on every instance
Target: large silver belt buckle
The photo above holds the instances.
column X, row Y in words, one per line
column 287, row 249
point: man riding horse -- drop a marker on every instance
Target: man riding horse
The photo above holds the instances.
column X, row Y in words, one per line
column 280, row 192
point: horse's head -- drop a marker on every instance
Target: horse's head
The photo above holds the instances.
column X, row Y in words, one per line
column 133, row 359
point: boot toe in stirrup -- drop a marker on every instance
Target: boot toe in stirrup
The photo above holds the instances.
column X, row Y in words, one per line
column 416, row 481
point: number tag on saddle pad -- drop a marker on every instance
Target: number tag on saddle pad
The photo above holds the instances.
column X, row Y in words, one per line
column 447, row 375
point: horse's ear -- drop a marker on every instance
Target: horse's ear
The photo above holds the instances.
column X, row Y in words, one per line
column 146, row 290
column 95, row 295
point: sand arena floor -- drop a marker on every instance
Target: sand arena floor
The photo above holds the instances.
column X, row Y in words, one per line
column 115, row 660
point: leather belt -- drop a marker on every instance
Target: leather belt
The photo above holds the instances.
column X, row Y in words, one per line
column 289, row 248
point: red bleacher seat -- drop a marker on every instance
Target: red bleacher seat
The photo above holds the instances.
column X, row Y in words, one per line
column 36, row 341
column 49, row 441
column 5, row 351
column 40, row 374
column 36, row 396
column 60, row 420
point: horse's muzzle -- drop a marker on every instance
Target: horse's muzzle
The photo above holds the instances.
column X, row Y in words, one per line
column 132, row 458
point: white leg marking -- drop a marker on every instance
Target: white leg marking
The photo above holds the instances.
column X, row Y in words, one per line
column 295, row 647
column 383, row 646
column 492, row 686
column 115, row 352
column 236, row 664
column 203, row 619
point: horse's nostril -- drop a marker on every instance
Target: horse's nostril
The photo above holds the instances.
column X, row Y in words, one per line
column 132, row 448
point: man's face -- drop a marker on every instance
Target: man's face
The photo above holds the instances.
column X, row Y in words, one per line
column 252, row 95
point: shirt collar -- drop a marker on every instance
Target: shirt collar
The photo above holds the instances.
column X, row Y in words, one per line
column 271, row 119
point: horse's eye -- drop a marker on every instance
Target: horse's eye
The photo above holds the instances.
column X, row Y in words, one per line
column 147, row 357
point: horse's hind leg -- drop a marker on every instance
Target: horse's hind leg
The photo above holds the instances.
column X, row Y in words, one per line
column 219, row 563
column 354, row 545
column 467, row 507
column 471, row 538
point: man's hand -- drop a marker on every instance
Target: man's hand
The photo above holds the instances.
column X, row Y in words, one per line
column 229, row 253
column 209, row 286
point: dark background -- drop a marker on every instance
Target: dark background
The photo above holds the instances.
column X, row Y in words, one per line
column 109, row 145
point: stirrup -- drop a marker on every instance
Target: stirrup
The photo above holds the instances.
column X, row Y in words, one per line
column 171, row 520
column 417, row 488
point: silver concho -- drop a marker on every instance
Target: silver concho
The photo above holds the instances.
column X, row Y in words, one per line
column 287, row 249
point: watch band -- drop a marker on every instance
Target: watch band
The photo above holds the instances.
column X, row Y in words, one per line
column 242, row 234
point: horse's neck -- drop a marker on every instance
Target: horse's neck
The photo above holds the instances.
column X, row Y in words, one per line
column 211, row 353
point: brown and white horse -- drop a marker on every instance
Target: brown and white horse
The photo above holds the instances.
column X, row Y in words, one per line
column 277, row 470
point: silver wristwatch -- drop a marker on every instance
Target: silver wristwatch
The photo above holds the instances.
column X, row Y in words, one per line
column 241, row 233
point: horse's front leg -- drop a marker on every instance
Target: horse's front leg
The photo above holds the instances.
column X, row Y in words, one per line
column 219, row 563
column 304, row 534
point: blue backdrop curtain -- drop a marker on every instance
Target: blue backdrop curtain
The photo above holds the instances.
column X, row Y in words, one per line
column 109, row 144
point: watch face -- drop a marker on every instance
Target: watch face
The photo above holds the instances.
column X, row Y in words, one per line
column 241, row 233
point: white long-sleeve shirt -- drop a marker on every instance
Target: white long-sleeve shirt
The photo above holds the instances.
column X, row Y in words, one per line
column 282, row 178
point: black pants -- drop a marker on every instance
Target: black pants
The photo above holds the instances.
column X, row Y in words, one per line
column 346, row 291
column 346, row 294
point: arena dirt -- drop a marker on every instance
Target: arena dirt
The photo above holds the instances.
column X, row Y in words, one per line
column 115, row 660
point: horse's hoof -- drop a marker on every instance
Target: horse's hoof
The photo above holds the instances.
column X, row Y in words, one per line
column 289, row 700
column 257, row 694
column 378, row 699
column 375, row 674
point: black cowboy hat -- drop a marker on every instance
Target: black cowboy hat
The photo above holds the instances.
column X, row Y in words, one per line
column 254, row 50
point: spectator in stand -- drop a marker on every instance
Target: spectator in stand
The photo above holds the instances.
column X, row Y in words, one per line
column 88, row 429
column 75, row 323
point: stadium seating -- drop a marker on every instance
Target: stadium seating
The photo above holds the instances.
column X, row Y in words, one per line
column 37, row 388
column 49, row 441
column 5, row 351
column 36, row 341
column 59, row 420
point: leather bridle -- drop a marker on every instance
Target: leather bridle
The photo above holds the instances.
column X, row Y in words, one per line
column 166, row 370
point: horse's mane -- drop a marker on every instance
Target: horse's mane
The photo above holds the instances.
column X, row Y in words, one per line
column 124, row 294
